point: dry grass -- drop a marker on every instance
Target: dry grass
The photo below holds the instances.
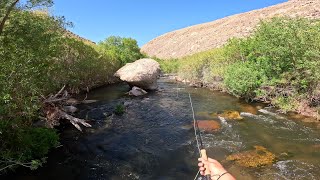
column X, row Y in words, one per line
column 214, row 34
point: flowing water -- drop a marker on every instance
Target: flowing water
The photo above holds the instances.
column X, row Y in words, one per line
column 154, row 138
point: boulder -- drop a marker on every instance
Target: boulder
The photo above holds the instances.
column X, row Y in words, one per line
column 135, row 91
column 142, row 73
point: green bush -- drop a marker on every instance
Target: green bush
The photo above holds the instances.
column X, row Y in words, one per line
column 125, row 50
column 287, row 49
column 242, row 79
column 37, row 58
column 191, row 67
column 168, row 66
column 278, row 63
column 22, row 144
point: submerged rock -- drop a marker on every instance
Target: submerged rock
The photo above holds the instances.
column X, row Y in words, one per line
column 127, row 103
column 209, row 125
column 249, row 108
column 231, row 115
column 247, row 114
column 135, row 91
column 206, row 115
column 70, row 109
column 142, row 73
column 88, row 101
column 253, row 158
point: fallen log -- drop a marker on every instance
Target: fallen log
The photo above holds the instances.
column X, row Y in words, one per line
column 53, row 110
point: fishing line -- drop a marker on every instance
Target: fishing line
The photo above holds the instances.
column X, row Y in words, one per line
column 198, row 140
column 196, row 128
column 197, row 131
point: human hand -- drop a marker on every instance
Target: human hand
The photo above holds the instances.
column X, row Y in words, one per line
column 217, row 171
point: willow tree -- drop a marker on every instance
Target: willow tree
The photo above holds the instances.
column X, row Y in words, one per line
column 7, row 6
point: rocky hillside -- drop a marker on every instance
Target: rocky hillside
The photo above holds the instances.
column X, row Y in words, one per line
column 210, row 35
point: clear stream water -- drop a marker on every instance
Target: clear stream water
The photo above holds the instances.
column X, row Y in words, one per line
column 154, row 138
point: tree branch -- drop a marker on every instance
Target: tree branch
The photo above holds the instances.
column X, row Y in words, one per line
column 5, row 18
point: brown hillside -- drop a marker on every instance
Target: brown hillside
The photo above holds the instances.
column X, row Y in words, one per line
column 210, row 35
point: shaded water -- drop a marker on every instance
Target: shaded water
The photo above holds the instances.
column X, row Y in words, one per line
column 154, row 138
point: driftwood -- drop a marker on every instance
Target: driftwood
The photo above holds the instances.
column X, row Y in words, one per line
column 53, row 110
column 74, row 121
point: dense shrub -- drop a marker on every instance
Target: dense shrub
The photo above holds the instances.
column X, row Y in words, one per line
column 37, row 59
column 205, row 66
column 242, row 79
column 286, row 51
column 168, row 66
column 125, row 50
column 278, row 63
column 21, row 143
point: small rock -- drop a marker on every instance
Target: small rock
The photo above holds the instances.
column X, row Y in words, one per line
column 231, row 115
column 72, row 101
column 135, row 91
column 284, row 156
column 127, row 103
column 70, row 109
column 187, row 127
column 254, row 158
column 209, row 125
column 247, row 114
column 267, row 112
column 89, row 101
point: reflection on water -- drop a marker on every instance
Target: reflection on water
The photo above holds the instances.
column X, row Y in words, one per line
column 154, row 139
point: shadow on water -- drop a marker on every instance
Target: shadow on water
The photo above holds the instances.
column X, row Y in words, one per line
column 154, row 138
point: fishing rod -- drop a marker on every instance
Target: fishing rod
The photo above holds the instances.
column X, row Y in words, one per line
column 202, row 150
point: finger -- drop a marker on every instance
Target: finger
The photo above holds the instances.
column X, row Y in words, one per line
column 199, row 159
column 212, row 160
column 202, row 173
column 202, row 168
column 204, row 161
column 200, row 164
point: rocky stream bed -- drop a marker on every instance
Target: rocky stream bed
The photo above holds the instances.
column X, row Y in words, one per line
column 154, row 138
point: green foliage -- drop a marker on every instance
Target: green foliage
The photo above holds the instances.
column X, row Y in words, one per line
column 278, row 63
column 119, row 110
column 37, row 59
column 192, row 67
column 26, row 62
column 205, row 66
column 286, row 51
column 125, row 50
column 242, row 79
column 287, row 48
column 21, row 143
column 168, row 66
column 286, row 103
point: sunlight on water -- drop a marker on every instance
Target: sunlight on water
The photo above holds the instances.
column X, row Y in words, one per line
column 154, row 139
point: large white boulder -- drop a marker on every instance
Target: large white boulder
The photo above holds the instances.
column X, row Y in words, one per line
column 142, row 73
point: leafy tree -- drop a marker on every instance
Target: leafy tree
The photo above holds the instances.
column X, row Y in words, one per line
column 7, row 6
column 124, row 49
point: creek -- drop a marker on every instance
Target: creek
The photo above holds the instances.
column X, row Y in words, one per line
column 154, row 138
